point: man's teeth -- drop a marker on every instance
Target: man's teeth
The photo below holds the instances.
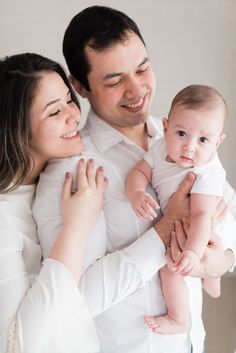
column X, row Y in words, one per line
column 136, row 105
column 70, row 134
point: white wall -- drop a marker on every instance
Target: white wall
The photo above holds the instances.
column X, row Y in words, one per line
column 188, row 41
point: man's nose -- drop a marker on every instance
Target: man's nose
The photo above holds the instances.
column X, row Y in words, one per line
column 134, row 88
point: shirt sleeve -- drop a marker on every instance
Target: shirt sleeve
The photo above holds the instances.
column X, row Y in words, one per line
column 113, row 276
column 150, row 155
column 210, row 178
column 31, row 307
column 120, row 273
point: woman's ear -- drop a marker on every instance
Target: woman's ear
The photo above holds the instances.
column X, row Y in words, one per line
column 220, row 140
column 165, row 124
column 78, row 86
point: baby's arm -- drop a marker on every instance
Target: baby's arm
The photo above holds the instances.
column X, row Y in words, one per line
column 202, row 209
column 136, row 184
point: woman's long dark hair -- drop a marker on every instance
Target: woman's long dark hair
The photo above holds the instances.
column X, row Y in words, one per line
column 19, row 78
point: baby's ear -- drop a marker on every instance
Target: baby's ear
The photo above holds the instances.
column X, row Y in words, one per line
column 165, row 124
column 220, row 140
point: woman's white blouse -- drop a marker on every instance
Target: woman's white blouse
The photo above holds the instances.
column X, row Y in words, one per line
column 41, row 309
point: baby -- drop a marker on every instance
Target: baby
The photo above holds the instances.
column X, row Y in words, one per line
column 192, row 134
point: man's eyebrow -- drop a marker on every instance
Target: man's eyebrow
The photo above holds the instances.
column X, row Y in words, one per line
column 54, row 101
column 115, row 74
column 145, row 60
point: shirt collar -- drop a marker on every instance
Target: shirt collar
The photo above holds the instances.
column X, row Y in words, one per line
column 105, row 136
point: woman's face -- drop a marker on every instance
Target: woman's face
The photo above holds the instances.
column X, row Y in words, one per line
column 54, row 121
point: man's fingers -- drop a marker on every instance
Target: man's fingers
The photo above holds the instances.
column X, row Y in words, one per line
column 169, row 260
column 186, row 226
column 175, row 249
column 180, row 234
column 186, row 185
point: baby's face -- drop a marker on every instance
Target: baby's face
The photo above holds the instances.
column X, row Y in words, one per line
column 192, row 136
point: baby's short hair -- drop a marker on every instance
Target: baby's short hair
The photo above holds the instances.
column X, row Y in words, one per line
column 199, row 96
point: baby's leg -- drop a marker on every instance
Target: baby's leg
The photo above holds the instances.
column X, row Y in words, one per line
column 212, row 286
column 175, row 292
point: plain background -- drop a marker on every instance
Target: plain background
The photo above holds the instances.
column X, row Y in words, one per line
column 188, row 42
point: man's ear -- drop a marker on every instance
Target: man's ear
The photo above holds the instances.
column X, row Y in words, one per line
column 165, row 124
column 78, row 86
column 220, row 140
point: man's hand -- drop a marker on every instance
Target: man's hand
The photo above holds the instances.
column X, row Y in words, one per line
column 178, row 207
column 215, row 261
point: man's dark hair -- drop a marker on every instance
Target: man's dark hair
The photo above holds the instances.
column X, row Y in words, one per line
column 99, row 28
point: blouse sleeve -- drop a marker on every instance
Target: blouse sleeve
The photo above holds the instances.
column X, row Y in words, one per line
column 31, row 307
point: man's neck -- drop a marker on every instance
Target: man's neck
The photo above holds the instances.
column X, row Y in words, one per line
column 137, row 134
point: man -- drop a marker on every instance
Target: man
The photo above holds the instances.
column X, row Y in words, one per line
column 110, row 66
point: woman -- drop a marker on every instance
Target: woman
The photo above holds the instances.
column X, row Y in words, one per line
column 31, row 292
column 41, row 309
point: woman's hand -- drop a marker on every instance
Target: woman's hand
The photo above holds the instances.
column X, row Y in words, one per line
column 80, row 210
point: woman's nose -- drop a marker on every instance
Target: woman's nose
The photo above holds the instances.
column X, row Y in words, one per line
column 72, row 116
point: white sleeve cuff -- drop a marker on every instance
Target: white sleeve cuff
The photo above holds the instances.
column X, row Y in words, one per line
column 148, row 254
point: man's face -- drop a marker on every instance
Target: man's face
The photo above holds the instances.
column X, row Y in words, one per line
column 122, row 83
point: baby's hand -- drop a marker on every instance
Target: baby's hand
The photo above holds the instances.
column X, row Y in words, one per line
column 144, row 205
column 187, row 262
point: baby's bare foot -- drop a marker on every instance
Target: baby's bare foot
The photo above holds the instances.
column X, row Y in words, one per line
column 165, row 325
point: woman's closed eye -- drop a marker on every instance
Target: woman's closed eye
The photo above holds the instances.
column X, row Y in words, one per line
column 57, row 112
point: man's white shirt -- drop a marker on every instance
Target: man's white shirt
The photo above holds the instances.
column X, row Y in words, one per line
column 121, row 328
